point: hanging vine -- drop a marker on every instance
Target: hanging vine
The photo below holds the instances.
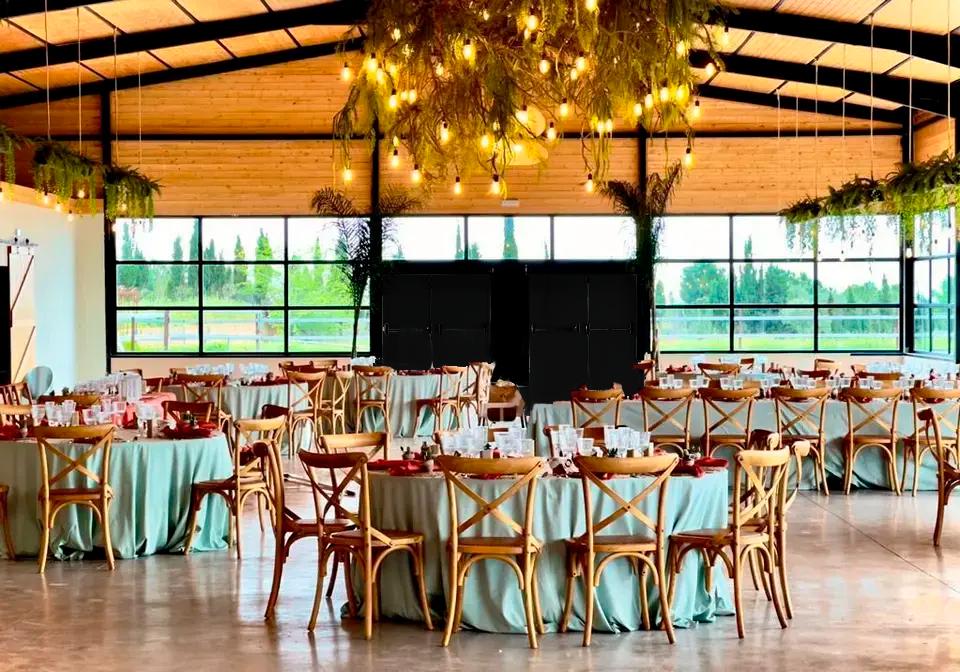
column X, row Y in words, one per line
column 10, row 142
column 62, row 172
column 128, row 193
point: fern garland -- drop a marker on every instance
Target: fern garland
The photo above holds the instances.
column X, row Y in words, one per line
column 59, row 170
column 128, row 193
column 10, row 142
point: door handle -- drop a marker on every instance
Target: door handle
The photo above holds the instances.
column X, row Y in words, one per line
column 439, row 329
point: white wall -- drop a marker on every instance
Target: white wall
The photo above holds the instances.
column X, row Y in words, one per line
column 69, row 285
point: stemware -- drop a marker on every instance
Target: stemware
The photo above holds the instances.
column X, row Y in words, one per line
column 37, row 412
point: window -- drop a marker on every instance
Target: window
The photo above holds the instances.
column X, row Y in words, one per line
column 496, row 238
column 234, row 285
column 746, row 283
column 424, row 239
column 596, row 238
column 934, row 283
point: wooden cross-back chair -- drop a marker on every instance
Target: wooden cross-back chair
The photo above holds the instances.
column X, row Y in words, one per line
column 92, row 488
column 137, row 371
column 328, row 363
column 758, row 509
column 646, row 550
column 666, row 415
column 15, row 414
column 945, row 405
column 201, row 410
column 373, row 387
column 948, row 466
column 255, row 443
column 305, row 400
column 81, row 400
column 820, row 376
column 368, row 545
column 647, row 368
column 450, row 390
column 801, row 417
column 15, row 394
column 747, row 363
column 520, row 550
column 715, row 370
column 584, row 403
column 155, row 384
column 885, row 378
column 820, row 363
column 372, row 444
column 871, row 423
column 726, row 406
column 205, row 387
column 476, row 395
column 333, row 404
column 289, row 365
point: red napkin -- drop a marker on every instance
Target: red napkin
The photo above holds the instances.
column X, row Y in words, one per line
column 9, row 432
column 694, row 470
column 716, row 462
column 186, row 432
column 130, row 424
column 389, row 465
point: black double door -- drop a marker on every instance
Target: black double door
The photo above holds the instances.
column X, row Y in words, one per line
column 433, row 319
column 583, row 331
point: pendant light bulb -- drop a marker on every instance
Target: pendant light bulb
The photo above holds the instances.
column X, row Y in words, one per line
column 457, row 186
column 544, row 65
column 681, row 48
column 346, row 74
column 581, row 62
column 395, row 159
column 392, row 101
column 681, row 93
column 564, row 109
column 523, row 115
column 395, row 34
column 438, row 68
column 688, row 158
column 81, row 192
column 58, row 207
column 591, row 5
column 468, row 50
column 551, row 132
column 485, row 141
column 664, row 94
column 637, row 109
column 46, row 198
column 347, row 174
column 412, row 96
column 574, row 74
column 710, row 69
column 372, row 63
column 725, row 37
column 444, row 133
column 70, row 216
column 696, row 112
column 532, row 22
column 415, row 175
column 609, row 126
column 588, row 185
column 495, row 185
column 648, row 101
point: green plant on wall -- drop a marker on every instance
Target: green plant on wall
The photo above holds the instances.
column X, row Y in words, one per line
column 128, row 193
column 10, row 142
column 64, row 173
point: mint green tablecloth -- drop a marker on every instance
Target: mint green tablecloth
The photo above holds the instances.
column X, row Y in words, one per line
column 493, row 602
column 869, row 470
column 151, row 480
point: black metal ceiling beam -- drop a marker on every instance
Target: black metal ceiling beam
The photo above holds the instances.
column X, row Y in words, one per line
column 790, row 103
column 10, row 9
column 190, row 72
column 926, row 95
column 341, row 12
column 930, row 46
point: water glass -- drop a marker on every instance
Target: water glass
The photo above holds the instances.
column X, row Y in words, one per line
column 585, row 447
column 53, row 414
column 37, row 412
column 662, row 380
column 725, row 383
column 89, row 416
column 609, row 436
column 529, row 447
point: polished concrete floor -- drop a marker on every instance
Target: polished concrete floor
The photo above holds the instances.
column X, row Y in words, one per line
column 870, row 593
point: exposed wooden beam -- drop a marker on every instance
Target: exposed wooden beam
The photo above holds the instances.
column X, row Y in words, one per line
column 190, row 72
column 930, row 46
column 340, row 12
column 788, row 103
column 13, row 8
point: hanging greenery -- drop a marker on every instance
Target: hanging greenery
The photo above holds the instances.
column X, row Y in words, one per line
column 128, row 193
column 462, row 86
column 10, row 142
column 646, row 207
column 355, row 239
column 60, row 171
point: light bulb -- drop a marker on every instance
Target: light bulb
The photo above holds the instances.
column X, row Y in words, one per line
column 395, row 159
column 681, row 48
column 404, row 96
column 664, row 94
column 393, row 69
column 516, row 148
column 58, row 207
column 457, row 186
column 551, row 132
column 81, row 192
column 415, row 175
column 444, row 133
column 347, row 174
column 46, row 198
column 396, row 34
column 574, row 74
column 468, row 50
column 711, row 69
column 688, row 158
column 485, row 15
column 532, row 22
column 371, row 63
column 544, row 65
column 564, row 109
column 908, row 253
column 609, row 125
column 392, row 102
column 843, row 255
column 637, row 109
column 591, row 5
column 495, row 125
column 523, row 115
column 695, row 113
column 381, row 76
column 648, row 100
column 438, row 68
column 123, row 206
column 725, row 38
column 682, row 93
column 412, row 96
column 3, row 194
column 485, row 141
column 495, row 185
column 396, row 141
column 70, row 216
column 581, row 62
column 346, row 74
column 588, row 185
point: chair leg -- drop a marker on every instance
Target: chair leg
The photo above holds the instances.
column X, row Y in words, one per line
column 260, row 497
column 107, row 541
column 237, row 513
column 822, row 460
column 322, row 554
column 666, row 617
column 738, row 587
column 752, row 562
column 589, row 568
column 527, row 591
column 419, row 566
column 368, row 597
column 850, row 456
column 279, row 559
column 45, row 538
column 893, row 469
column 781, row 562
column 644, row 598
column 768, row 573
column 5, row 524
column 196, row 501
column 568, row 595
column 538, row 615
column 941, row 510
column 331, row 584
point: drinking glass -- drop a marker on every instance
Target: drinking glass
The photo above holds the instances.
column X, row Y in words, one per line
column 663, row 382
column 89, row 417
column 725, row 383
column 529, row 447
column 585, row 447
column 37, row 412
column 53, row 415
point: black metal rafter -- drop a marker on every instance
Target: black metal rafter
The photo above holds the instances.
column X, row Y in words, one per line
column 341, row 12
column 10, row 9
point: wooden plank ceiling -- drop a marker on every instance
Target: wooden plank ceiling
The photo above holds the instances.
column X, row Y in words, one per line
column 214, row 34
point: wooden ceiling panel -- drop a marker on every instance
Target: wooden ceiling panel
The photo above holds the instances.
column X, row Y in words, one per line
column 31, row 120
column 62, row 26
column 60, row 75
column 783, row 48
column 132, row 16
column 192, row 54
column 859, row 58
column 307, row 35
column 847, row 10
column 830, row 94
column 735, row 37
column 127, row 64
column 733, row 80
column 249, row 45
column 14, row 39
column 10, row 85
column 211, row 10
column 930, row 16
column 861, row 99
column 919, row 68
column 278, row 5
column 728, row 116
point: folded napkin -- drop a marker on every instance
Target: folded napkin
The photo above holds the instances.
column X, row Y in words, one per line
column 694, row 470
column 187, row 432
column 388, row 465
column 9, row 432
column 712, row 462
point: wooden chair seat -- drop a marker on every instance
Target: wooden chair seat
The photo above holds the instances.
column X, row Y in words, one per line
column 81, row 494
column 787, row 439
column 498, row 545
column 616, row 543
column 880, row 439
column 945, row 440
column 667, row 438
column 355, row 538
column 728, row 439
column 719, row 535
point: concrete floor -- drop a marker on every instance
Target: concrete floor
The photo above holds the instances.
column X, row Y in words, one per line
column 870, row 593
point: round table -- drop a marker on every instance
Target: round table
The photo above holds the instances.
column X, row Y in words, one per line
column 493, row 602
column 151, row 479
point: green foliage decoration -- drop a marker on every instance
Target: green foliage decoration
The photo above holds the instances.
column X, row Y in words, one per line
column 64, row 173
column 128, row 193
column 10, row 142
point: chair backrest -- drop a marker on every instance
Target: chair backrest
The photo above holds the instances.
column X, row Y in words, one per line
column 38, row 380
column 81, row 400
column 100, row 440
column 305, row 389
column 800, row 411
column 718, row 370
column 592, row 474
column 288, row 366
column 728, row 407
column 824, row 364
column 15, row 394
column 371, row 444
column 944, row 404
column 584, row 403
column 202, row 387
column 931, row 424
column 871, row 411
column 373, row 383
column 139, row 372
column 647, row 369
column 747, row 362
column 886, row 378
column 201, row 410
column 255, row 443
column 759, row 486
column 451, row 382
column 328, row 364
column 817, row 374
column 15, row 414
column 528, row 471
column 269, row 411
column 594, row 432
column 479, row 379
column 155, row 384
column 340, row 389
column 667, row 411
